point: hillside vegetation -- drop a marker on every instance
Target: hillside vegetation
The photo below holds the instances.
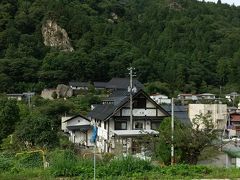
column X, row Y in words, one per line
column 189, row 46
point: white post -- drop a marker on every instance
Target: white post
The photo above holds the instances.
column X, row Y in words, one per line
column 172, row 132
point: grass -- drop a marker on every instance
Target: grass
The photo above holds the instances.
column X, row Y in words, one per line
column 66, row 165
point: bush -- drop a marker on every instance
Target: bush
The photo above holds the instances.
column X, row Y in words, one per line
column 29, row 160
column 63, row 163
column 126, row 165
column 185, row 170
column 6, row 162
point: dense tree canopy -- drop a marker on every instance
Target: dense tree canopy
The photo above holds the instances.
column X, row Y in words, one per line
column 190, row 45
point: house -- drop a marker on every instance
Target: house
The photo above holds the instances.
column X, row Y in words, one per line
column 113, row 118
column 99, row 85
column 21, row 96
column 186, row 97
column 207, row 96
column 161, row 99
column 232, row 96
column 233, row 124
column 18, row 97
column 79, row 85
column 123, row 84
column 113, row 84
column 218, row 113
column 232, row 155
column 79, row 129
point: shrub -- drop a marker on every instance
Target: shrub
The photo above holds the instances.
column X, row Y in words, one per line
column 29, row 160
column 6, row 162
column 63, row 163
column 127, row 165
column 185, row 170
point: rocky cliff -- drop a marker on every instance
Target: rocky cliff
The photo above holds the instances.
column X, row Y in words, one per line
column 55, row 36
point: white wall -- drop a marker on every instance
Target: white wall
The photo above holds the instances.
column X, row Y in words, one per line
column 78, row 121
column 218, row 113
column 64, row 124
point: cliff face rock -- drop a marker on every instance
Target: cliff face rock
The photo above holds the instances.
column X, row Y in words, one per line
column 55, row 36
column 64, row 91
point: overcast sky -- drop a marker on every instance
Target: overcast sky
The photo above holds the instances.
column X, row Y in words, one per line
column 236, row 2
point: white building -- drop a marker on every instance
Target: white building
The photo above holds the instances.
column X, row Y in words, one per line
column 79, row 129
column 161, row 99
column 218, row 113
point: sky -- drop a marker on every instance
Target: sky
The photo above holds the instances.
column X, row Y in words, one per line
column 236, row 2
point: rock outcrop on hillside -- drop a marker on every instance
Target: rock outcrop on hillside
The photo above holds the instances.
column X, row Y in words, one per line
column 55, row 36
column 64, row 91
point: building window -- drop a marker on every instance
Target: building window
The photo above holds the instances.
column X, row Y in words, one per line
column 138, row 125
column 120, row 125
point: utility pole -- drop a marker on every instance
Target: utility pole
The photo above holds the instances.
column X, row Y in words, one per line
column 172, row 133
column 131, row 101
column 130, row 90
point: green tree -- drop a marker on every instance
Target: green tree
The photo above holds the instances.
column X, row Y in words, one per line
column 9, row 116
column 37, row 130
column 189, row 139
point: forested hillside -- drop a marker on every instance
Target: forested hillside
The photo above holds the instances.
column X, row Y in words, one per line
column 187, row 45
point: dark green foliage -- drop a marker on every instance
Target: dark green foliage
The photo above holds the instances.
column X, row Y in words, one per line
column 6, row 162
column 66, row 164
column 9, row 116
column 29, row 160
column 63, row 163
column 127, row 165
column 186, row 170
column 37, row 130
column 190, row 45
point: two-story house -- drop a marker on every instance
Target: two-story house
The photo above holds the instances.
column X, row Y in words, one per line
column 113, row 119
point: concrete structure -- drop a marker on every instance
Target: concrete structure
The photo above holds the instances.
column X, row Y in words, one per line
column 218, row 113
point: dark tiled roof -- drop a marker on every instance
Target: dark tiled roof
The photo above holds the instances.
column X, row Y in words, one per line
column 119, row 93
column 180, row 112
column 99, row 84
column 123, row 83
column 102, row 111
